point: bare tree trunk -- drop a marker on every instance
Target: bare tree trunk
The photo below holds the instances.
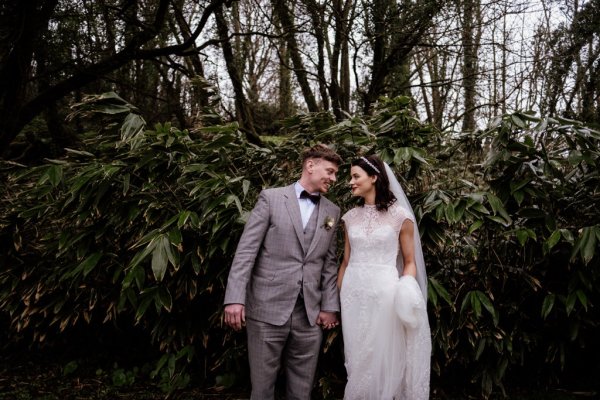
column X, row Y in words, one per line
column 345, row 67
column 287, row 25
column 284, row 76
column 25, row 20
column 438, row 98
column 317, row 14
column 60, row 136
column 242, row 111
column 285, row 81
column 339, row 88
column 193, row 61
column 471, row 36
column 334, row 86
column 426, row 100
column 415, row 20
column 504, row 68
column 245, row 58
column 16, row 110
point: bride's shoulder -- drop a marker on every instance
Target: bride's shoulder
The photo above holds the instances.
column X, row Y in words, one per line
column 399, row 211
column 395, row 208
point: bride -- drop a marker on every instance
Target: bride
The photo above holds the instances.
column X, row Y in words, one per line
column 387, row 341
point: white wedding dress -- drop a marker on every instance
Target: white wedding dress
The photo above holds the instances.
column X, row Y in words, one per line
column 387, row 340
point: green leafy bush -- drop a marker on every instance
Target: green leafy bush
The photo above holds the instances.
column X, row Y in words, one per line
column 138, row 228
column 513, row 252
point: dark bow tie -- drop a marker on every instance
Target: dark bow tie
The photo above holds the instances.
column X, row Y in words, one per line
column 312, row 197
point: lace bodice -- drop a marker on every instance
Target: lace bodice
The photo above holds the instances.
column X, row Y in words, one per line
column 374, row 234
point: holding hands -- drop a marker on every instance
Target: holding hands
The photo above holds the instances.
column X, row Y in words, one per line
column 327, row 320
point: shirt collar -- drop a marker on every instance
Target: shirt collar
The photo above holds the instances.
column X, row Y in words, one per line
column 299, row 188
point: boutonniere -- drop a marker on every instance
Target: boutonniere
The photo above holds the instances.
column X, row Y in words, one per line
column 328, row 223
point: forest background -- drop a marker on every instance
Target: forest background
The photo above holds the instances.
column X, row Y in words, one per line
column 136, row 135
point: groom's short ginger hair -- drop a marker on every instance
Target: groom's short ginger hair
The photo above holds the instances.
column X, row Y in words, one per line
column 321, row 151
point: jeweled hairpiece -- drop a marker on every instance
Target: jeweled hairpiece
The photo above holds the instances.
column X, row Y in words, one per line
column 370, row 165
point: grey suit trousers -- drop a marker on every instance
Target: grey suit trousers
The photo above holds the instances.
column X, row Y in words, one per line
column 297, row 342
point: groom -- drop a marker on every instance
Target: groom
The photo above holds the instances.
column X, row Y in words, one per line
column 282, row 283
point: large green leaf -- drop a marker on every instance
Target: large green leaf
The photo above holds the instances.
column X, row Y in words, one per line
column 55, row 174
column 164, row 298
column 585, row 245
column 439, row 290
column 553, row 240
column 488, row 305
column 548, row 305
column 160, row 257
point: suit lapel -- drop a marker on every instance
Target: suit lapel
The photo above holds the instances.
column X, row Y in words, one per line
column 320, row 209
column 291, row 203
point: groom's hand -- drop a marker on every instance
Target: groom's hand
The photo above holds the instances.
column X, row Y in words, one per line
column 235, row 316
column 327, row 320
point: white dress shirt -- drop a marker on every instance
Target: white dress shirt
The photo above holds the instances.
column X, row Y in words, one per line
column 306, row 205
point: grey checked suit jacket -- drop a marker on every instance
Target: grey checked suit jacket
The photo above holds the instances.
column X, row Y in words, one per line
column 271, row 264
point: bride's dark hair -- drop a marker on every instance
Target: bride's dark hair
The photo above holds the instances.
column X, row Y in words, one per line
column 383, row 195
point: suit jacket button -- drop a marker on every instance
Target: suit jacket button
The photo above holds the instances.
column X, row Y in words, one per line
column 299, row 282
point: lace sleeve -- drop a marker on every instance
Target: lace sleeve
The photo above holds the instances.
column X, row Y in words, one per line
column 400, row 214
